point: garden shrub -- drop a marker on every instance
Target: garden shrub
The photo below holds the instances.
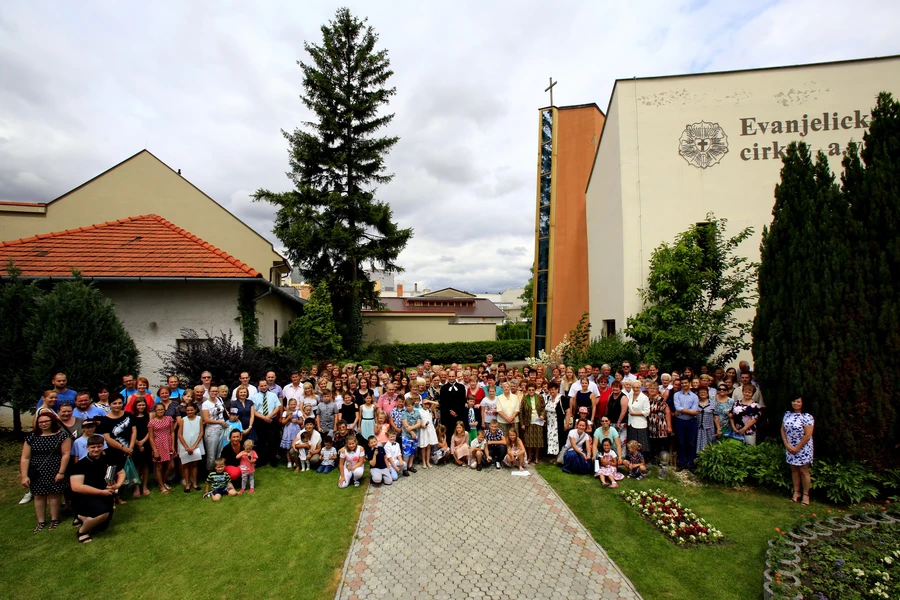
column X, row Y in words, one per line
column 769, row 467
column 844, row 481
column 514, row 331
column 727, row 462
column 406, row 355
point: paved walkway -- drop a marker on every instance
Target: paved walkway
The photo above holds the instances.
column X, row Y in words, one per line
column 460, row 533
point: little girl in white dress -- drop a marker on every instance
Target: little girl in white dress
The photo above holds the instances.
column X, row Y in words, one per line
column 427, row 434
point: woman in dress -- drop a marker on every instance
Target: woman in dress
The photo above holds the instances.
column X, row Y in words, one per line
column 367, row 417
column 45, row 456
column 142, row 450
column 708, row 427
column 556, row 419
column 214, row 423
column 577, row 459
column 161, row 444
column 745, row 414
column 120, row 435
column 617, row 407
column 722, row 406
column 660, row 422
column 532, row 423
column 508, row 406
column 190, row 447
column 796, row 435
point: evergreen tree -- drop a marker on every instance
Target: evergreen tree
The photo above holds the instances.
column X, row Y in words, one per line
column 694, row 289
column 18, row 302
column 76, row 330
column 807, row 323
column 331, row 223
column 871, row 185
column 314, row 335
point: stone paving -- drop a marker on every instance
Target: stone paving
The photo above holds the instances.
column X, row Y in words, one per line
column 451, row 532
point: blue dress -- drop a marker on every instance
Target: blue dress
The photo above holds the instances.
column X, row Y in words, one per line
column 793, row 431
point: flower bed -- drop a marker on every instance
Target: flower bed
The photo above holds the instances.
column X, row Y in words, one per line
column 845, row 557
column 674, row 521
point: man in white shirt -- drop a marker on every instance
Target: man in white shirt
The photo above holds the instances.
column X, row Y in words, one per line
column 626, row 369
column 576, row 385
column 293, row 390
column 245, row 381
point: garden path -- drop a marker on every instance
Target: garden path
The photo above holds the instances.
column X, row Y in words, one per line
column 460, row 533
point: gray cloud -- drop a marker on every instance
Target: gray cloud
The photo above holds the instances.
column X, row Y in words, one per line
column 209, row 91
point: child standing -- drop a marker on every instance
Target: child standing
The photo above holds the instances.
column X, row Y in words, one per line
column 412, row 423
column 351, row 465
column 473, row 421
column 427, row 435
column 248, row 466
column 218, row 482
column 329, row 455
column 290, row 418
column 381, row 428
column 302, row 453
column 605, row 465
column 634, row 460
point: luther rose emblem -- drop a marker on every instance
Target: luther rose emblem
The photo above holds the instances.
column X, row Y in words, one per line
column 703, row 144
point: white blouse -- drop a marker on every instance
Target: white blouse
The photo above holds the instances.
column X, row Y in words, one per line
column 639, row 404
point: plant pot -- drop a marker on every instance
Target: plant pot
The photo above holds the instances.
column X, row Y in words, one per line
column 835, row 523
column 797, row 539
column 768, row 594
column 815, row 531
column 863, row 519
column 788, row 580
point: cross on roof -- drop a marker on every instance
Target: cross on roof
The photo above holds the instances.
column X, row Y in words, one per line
column 549, row 88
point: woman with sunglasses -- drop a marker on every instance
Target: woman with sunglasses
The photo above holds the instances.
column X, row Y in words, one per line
column 722, row 407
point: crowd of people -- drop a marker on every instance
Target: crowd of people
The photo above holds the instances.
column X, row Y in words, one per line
column 87, row 450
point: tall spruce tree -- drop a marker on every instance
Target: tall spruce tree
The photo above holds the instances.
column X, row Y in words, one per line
column 871, row 185
column 331, row 223
column 807, row 328
column 314, row 335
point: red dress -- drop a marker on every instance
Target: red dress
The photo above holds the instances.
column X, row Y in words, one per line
column 161, row 430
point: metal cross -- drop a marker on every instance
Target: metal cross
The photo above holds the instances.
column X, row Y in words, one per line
column 550, row 89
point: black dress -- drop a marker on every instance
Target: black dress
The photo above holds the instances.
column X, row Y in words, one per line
column 614, row 408
column 141, row 424
column 119, row 429
column 46, row 457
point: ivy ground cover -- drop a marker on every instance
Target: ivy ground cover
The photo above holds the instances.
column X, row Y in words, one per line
column 671, row 518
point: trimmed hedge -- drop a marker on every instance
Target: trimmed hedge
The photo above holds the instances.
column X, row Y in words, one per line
column 410, row 355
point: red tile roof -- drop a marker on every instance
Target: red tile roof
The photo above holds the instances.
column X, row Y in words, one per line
column 144, row 246
column 11, row 203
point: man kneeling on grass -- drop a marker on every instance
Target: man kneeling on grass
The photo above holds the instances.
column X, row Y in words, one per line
column 95, row 481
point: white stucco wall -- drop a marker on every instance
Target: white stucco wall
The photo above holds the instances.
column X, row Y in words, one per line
column 660, row 194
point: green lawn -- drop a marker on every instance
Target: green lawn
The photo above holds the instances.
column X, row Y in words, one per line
column 289, row 539
column 659, row 569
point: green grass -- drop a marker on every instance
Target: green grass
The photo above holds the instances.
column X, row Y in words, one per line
column 289, row 539
column 660, row 569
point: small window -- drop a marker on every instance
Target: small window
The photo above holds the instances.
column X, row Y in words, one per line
column 187, row 344
column 609, row 326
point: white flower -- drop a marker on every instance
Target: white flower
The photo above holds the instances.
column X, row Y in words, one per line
column 888, row 560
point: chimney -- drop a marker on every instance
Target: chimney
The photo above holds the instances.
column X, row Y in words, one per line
column 399, row 290
column 416, row 288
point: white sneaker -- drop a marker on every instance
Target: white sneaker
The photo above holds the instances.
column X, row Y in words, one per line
column 26, row 498
column 290, row 465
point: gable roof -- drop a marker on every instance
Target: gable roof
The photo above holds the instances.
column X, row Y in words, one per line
column 447, row 292
column 464, row 307
column 147, row 246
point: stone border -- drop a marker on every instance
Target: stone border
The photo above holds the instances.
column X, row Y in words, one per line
column 790, row 568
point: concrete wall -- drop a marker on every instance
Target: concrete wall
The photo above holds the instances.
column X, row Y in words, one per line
column 155, row 313
column 661, row 194
column 144, row 185
column 577, row 133
column 408, row 329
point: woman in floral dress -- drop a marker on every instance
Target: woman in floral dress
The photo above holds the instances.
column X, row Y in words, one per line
column 722, row 406
column 796, row 434
column 555, row 418
column 707, row 422
column 660, row 421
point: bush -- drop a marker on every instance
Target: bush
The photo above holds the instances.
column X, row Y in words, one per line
column 770, row 469
column 406, row 355
column 221, row 355
column 612, row 350
column 282, row 360
column 844, row 481
column 727, row 462
column 514, row 331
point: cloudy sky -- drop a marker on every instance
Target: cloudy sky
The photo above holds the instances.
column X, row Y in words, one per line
column 208, row 86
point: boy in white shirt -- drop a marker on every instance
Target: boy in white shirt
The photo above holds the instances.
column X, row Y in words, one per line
column 329, row 455
column 477, row 449
column 394, row 455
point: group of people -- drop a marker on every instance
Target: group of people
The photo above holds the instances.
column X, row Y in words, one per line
column 85, row 449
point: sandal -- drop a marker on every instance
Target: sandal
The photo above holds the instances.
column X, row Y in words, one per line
column 39, row 527
column 163, row 490
column 76, row 522
column 167, row 486
column 54, row 523
column 805, row 500
column 146, row 492
column 796, row 497
column 197, row 488
column 84, row 538
column 187, row 490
